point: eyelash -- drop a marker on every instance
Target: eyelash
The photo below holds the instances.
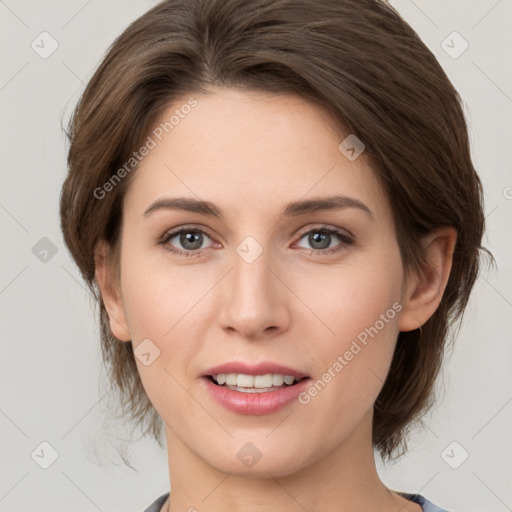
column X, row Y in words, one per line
column 345, row 239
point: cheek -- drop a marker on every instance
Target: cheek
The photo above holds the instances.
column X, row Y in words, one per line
column 160, row 307
column 163, row 307
column 366, row 305
column 359, row 309
column 158, row 299
column 352, row 298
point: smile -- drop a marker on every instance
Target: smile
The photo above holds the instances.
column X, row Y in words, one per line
column 248, row 398
column 254, row 383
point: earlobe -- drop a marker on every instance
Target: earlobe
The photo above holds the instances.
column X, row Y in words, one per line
column 425, row 289
column 109, row 289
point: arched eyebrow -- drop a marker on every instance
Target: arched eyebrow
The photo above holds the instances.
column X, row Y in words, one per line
column 293, row 209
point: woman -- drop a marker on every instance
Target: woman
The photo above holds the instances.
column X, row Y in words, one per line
column 275, row 205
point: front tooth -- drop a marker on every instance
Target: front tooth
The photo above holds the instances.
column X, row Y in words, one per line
column 221, row 379
column 277, row 379
column 245, row 381
column 288, row 379
column 231, row 379
column 263, row 381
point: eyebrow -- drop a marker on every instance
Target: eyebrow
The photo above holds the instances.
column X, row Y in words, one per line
column 292, row 209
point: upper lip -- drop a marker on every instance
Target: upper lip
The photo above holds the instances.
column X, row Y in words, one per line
column 262, row 368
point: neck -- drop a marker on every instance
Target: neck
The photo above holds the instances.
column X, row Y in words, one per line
column 344, row 478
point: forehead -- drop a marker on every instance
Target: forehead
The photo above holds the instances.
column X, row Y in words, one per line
column 250, row 150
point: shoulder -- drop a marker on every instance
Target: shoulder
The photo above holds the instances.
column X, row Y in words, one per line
column 157, row 504
column 426, row 505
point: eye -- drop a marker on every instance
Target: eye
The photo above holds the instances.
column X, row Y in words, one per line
column 186, row 241
column 321, row 238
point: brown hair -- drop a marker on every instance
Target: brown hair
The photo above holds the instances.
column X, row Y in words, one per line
column 358, row 59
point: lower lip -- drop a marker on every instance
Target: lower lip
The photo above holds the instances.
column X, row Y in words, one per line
column 255, row 404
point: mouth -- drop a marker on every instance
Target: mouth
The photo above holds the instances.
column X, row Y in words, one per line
column 254, row 389
column 245, row 383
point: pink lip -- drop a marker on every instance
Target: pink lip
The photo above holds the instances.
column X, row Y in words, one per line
column 255, row 404
column 254, row 369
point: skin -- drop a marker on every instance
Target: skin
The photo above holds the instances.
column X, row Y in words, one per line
column 250, row 154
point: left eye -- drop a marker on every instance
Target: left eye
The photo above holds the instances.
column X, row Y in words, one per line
column 321, row 238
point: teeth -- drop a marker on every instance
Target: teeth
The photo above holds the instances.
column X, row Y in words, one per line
column 245, row 381
column 277, row 380
column 253, row 381
column 262, row 381
column 231, row 379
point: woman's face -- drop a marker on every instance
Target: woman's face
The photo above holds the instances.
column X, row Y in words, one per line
column 259, row 283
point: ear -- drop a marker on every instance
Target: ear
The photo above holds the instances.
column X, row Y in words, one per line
column 425, row 288
column 110, row 292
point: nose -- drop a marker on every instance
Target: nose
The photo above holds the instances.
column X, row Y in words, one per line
column 254, row 300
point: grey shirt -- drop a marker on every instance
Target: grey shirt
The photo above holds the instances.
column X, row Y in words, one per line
column 426, row 505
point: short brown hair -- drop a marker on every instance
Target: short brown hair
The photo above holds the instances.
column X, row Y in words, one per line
column 358, row 59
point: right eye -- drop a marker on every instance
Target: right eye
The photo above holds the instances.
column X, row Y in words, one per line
column 189, row 238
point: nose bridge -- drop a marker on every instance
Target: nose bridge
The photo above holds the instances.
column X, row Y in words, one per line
column 251, row 276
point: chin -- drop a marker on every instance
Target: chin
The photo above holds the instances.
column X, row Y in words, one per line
column 258, row 459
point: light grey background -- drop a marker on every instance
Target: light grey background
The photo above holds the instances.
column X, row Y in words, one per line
column 50, row 389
